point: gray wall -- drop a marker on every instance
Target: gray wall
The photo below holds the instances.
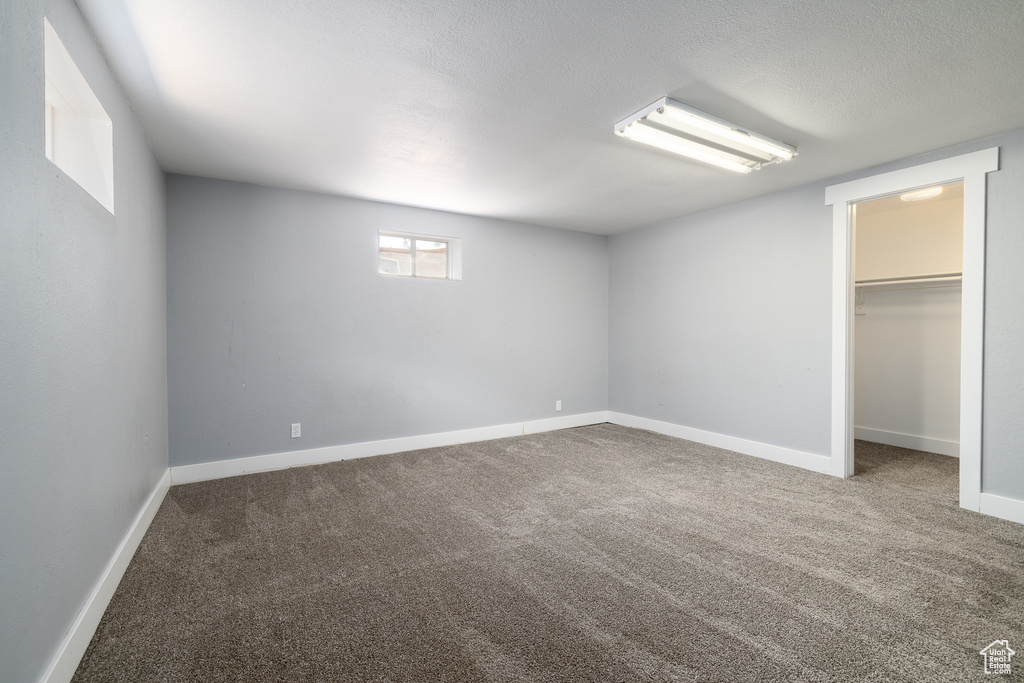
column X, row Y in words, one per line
column 276, row 314
column 82, row 347
column 721, row 320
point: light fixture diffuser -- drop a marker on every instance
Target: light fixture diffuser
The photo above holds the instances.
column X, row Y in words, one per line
column 926, row 193
column 675, row 127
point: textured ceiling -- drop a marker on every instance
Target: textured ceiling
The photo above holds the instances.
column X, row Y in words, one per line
column 506, row 109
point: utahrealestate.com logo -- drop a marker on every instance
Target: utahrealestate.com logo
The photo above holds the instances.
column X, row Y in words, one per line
column 997, row 657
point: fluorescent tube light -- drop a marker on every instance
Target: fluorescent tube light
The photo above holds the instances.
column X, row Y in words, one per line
column 926, row 193
column 685, row 147
column 703, row 137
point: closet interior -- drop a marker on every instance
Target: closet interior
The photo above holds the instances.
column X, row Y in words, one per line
column 908, row 252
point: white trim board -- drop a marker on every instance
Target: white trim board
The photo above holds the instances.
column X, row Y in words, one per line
column 917, row 443
column 218, row 469
column 72, row 647
column 787, row 456
column 1004, row 508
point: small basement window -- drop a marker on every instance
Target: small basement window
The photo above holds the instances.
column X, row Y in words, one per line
column 410, row 255
column 79, row 134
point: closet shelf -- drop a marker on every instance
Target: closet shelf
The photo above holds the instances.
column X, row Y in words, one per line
column 913, row 282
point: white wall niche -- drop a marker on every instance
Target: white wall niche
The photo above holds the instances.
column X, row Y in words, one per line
column 79, row 133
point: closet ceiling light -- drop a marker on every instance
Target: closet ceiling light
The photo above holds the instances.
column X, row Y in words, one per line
column 675, row 127
column 926, row 193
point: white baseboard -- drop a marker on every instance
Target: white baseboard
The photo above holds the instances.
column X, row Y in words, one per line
column 1004, row 508
column 917, row 443
column 218, row 469
column 71, row 649
column 565, row 422
column 788, row 456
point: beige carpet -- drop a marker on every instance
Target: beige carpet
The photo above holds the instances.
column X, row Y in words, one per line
column 594, row 554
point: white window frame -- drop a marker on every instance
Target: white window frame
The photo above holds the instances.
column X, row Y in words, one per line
column 453, row 251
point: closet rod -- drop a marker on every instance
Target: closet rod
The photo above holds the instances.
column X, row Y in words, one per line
column 913, row 279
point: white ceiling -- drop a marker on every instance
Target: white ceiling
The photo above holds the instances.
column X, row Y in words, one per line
column 506, row 108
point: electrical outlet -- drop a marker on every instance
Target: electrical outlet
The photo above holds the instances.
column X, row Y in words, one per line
column 558, row 406
column 296, row 430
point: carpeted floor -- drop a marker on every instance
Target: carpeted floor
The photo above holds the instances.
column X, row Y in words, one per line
column 594, row 554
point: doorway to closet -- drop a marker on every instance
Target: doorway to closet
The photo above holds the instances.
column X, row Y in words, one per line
column 908, row 267
column 970, row 168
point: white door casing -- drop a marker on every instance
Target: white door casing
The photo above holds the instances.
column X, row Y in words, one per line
column 971, row 169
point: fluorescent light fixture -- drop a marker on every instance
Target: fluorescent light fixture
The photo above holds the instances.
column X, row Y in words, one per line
column 926, row 193
column 684, row 146
column 675, row 127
